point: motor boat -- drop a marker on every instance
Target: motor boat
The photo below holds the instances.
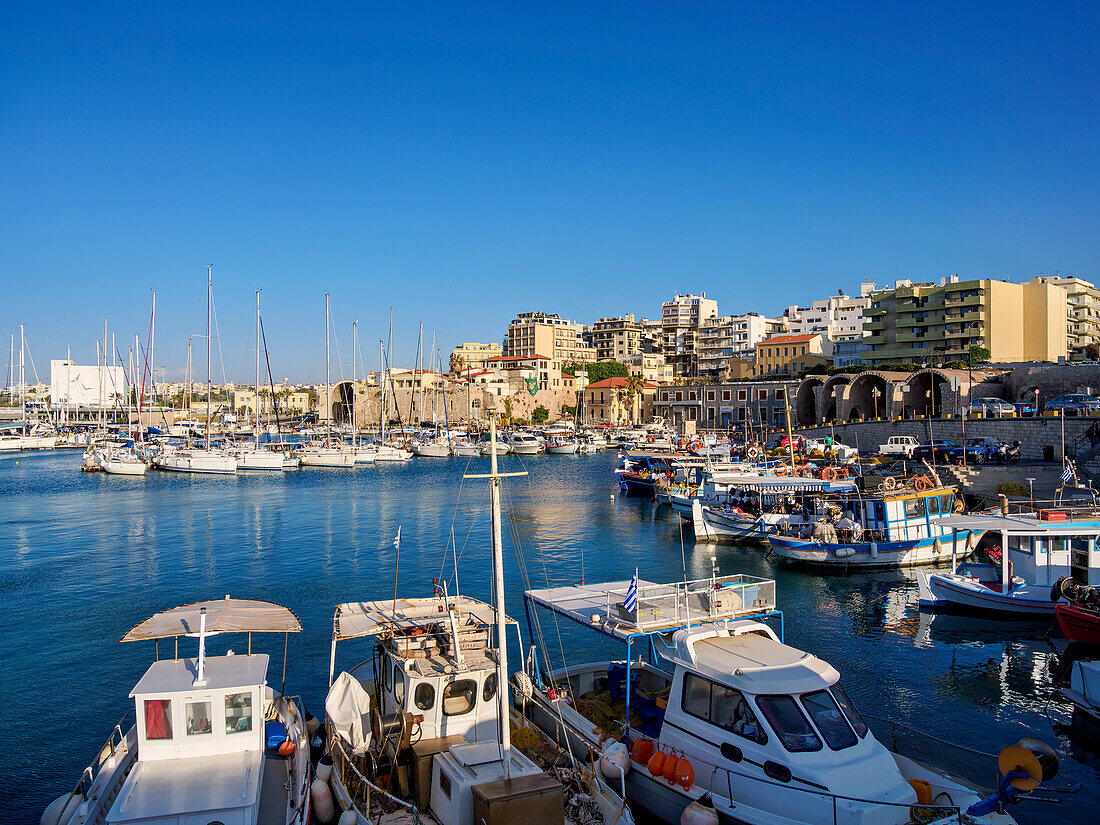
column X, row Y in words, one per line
column 211, row 741
column 327, row 454
column 562, row 445
column 525, row 444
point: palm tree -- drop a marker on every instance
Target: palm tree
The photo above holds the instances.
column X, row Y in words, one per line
column 458, row 362
column 635, row 385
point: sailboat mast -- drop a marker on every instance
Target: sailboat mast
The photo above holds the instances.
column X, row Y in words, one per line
column 498, row 588
column 420, row 356
column 382, row 383
column 129, row 386
column 149, row 362
column 328, row 400
column 137, row 395
column 351, row 413
column 102, row 370
column 209, row 346
column 256, row 400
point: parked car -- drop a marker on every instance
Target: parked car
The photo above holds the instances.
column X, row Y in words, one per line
column 991, row 407
column 899, row 445
column 978, row 450
column 1074, row 404
column 933, row 451
column 1024, row 408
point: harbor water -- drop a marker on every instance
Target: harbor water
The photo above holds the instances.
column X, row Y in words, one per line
column 84, row 557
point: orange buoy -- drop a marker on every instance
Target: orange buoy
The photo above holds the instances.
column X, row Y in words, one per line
column 685, row 774
column 671, row 763
column 828, row 474
column 287, row 748
column 643, row 749
column 656, row 764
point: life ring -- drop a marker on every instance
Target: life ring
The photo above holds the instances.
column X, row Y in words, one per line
column 889, row 483
column 782, row 470
column 753, row 452
column 651, row 439
column 828, row 474
column 920, row 484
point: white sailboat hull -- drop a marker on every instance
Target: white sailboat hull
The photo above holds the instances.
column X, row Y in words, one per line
column 387, row 452
column 366, row 455
column 260, row 460
column 124, row 466
column 433, row 450
column 326, row 457
column 198, row 461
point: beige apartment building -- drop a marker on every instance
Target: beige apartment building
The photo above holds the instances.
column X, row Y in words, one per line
column 469, row 356
column 544, row 335
column 681, row 319
column 929, row 323
column 1083, row 319
column 617, row 338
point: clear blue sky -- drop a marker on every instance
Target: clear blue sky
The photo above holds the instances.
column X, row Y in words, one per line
column 467, row 161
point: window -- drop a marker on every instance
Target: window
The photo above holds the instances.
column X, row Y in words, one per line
column 742, row 395
column 828, row 719
column 489, row 689
column 197, row 718
column 725, row 395
column 761, row 395
column 722, row 706
column 158, row 718
column 710, row 395
column 398, row 684
column 914, row 507
column 850, row 712
column 424, row 696
column 788, row 722
column 386, row 686
column 238, row 712
column 459, row 697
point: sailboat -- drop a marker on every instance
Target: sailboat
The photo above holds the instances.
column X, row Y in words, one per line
column 256, row 458
column 201, row 459
column 36, row 436
column 125, row 461
column 442, row 744
column 387, row 452
column 330, row 452
column 364, row 453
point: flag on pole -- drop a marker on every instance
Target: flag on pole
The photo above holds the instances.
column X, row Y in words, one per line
column 397, row 541
column 1068, row 474
column 631, row 603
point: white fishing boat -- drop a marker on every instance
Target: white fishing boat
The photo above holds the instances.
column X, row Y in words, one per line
column 211, row 741
column 729, row 724
column 1036, row 551
column 433, row 696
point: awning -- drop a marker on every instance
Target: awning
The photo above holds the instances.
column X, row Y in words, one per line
column 355, row 619
column 1020, row 525
column 222, row 616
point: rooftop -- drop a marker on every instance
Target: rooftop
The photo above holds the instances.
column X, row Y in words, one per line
column 222, row 673
column 789, row 339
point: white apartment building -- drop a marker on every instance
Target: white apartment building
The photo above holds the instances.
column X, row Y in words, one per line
column 681, row 319
column 837, row 318
column 549, row 336
column 74, row 385
column 651, row 366
column 732, row 336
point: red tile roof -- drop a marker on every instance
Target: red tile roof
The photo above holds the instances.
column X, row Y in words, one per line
column 789, row 339
column 616, row 382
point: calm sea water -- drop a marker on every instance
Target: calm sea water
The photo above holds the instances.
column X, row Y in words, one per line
column 85, row 557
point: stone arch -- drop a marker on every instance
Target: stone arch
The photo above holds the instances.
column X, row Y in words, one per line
column 343, row 396
column 871, row 395
column 925, row 389
column 805, row 402
column 831, row 393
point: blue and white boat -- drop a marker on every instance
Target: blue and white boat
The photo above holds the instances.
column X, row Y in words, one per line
column 881, row 531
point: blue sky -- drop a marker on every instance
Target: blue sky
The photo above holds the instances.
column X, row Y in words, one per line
column 467, row 161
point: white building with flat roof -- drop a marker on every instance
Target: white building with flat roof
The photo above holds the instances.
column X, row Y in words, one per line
column 74, row 385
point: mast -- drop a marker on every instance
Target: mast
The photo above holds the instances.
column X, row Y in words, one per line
column 11, row 368
column 209, row 346
column 382, row 383
column 23, row 379
column 256, row 400
column 351, row 413
column 189, row 387
column 129, row 385
column 149, row 362
column 137, row 397
column 328, row 399
column 420, row 356
column 102, row 370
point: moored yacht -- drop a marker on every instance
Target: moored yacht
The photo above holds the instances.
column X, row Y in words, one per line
column 211, row 740
column 525, row 444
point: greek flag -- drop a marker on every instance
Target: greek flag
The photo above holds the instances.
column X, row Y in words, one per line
column 397, row 541
column 1067, row 474
column 631, row 603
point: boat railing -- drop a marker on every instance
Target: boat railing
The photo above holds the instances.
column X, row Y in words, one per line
column 90, row 774
column 976, row 767
column 361, row 791
column 682, row 603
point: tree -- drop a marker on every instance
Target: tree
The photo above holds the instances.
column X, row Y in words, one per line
column 507, row 411
column 540, row 414
column 1092, row 352
column 978, row 354
column 458, row 363
column 602, row 370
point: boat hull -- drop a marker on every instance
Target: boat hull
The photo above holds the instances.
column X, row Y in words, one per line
column 260, row 460
column 1078, row 624
column 884, row 555
column 117, row 467
column 207, row 464
column 332, row 459
column 951, row 590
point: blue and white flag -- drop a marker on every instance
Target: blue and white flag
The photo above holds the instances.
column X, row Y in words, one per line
column 397, row 541
column 631, row 603
column 1067, row 474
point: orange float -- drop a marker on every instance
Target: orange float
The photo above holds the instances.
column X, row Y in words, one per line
column 671, row 764
column 642, row 751
column 657, row 764
column 828, row 474
column 685, row 774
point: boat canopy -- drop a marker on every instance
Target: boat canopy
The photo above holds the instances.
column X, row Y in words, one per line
column 660, row 607
column 1020, row 525
column 222, row 616
column 356, row 619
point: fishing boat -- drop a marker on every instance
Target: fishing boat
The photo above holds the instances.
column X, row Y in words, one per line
column 562, row 445
column 880, row 531
column 1035, row 553
column 724, row 722
column 422, row 729
column 203, row 460
column 1078, row 606
column 211, row 740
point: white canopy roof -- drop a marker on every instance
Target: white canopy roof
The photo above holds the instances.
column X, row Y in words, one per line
column 355, row 619
column 1020, row 525
column 222, row 616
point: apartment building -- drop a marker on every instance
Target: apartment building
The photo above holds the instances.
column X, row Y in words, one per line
column 616, row 338
column 651, row 366
column 1083, row 319
column 789, row 354
column 728, row 337
column 470, row 356
column 681, row 320
column 736, row 405
column 543, row 371
column 927, row 323
column 544, row 334
column 837, row 318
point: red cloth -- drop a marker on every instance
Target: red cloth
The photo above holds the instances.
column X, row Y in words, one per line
column 158, row 720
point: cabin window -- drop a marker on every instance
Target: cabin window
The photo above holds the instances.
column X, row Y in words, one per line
column 489, row 689
column 788, row 722
column 459, row 697
column 398, row 684
column 424, row 696
column 1019, row 544
column 386, row 685
column 158, row 718
column 828, row 719
column 238, row 712
column 849, row 708
column 1058, row 544
column 933, row 503
column 722, row 706
column 197, row 718
column 914, row 507
column 946, row 504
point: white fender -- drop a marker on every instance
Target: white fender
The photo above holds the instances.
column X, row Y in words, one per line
column 615, row 760
column 700, row 812
column 874, row 549
column 937, row 546
column 321, row 798
column 61, row 810
column 348, row 817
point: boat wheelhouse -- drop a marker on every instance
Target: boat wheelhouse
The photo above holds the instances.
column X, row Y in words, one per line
column 1036, row 551
column 882, row 530
column 211, row 741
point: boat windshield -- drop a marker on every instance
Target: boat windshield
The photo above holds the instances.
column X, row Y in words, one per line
column 849, row 708
column 828, row 719
column 787, row 721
